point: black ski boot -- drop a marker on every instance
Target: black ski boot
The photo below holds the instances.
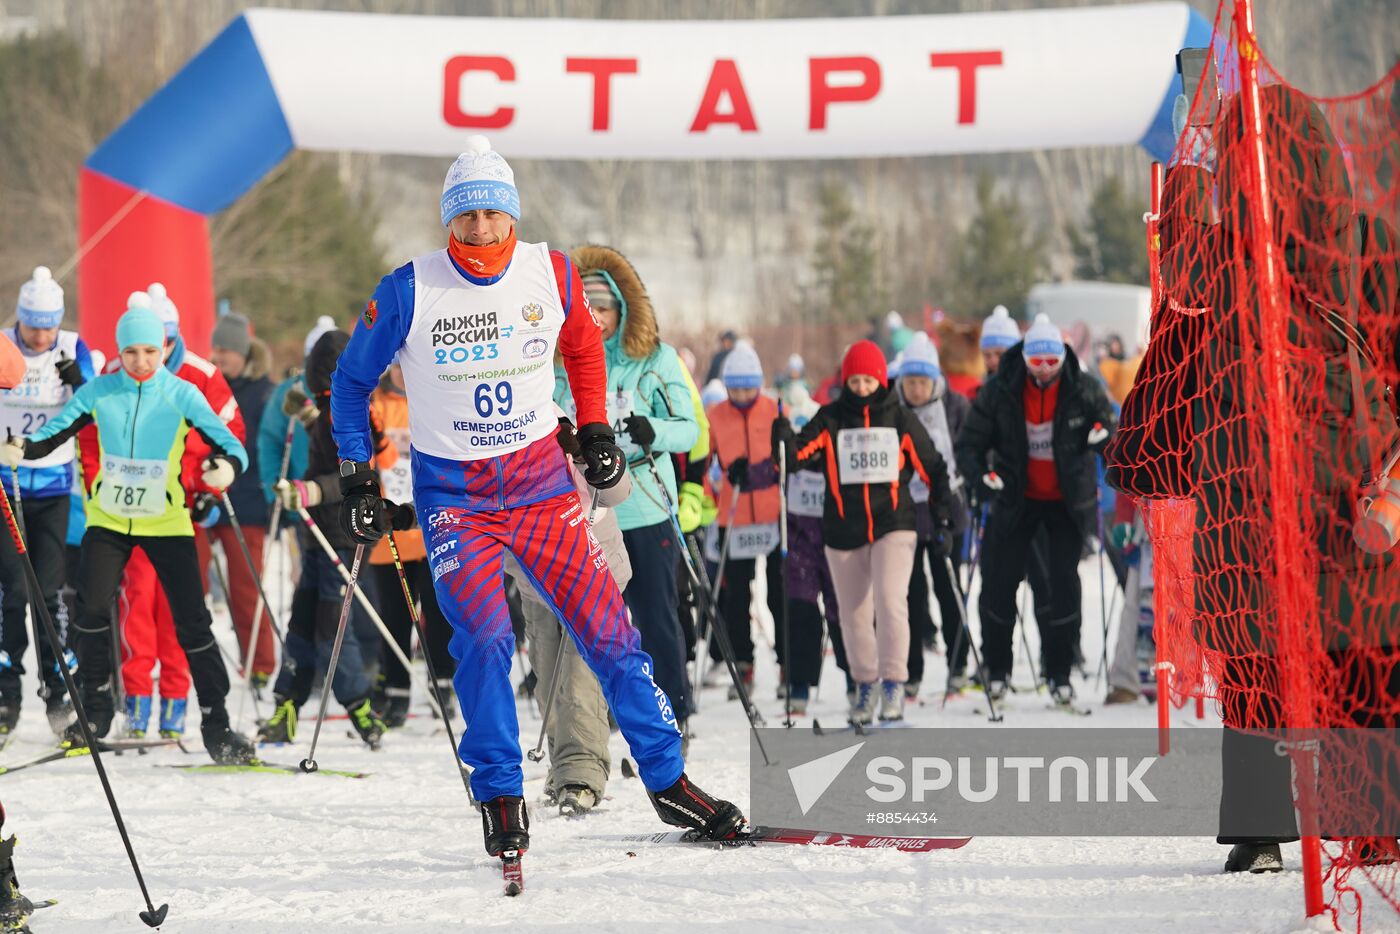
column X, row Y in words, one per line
column 225, row 746
column 59, row 710
column 9, row 717
column 684, row 804
column 15, row 909
column 281, row 727
column 395, row 708
column 366, row 722
column 99, row 716
column 1255, row 858
column 506, row 824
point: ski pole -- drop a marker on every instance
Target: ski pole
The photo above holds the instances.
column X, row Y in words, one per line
column 1103, row 598
column 309, row 763
column 252, row 569
column 716, row 624
column 964, row 595
column 152, row 916
column 269, row 544
column 355, row 591
column 1026, row 644
column 783, row 557
column 232, row 662
column 718, row 583
column 434, row 687
column 993, row 716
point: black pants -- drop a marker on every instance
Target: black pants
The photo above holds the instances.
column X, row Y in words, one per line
column 393, row 609
column 926, row 562
column 1256, row 793
column 736, row 596
column 1006, row 550
column 45, row 536
column 104, row 557
column 651, row 599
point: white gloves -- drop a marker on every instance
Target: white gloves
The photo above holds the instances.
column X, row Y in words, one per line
column 218, row 473
column 992, row 482
column 12, row 451
column 297, row 495
column 1097, row 435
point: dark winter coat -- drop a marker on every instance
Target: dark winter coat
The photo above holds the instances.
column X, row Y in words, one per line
column 323, row 456
column 996, row 426
column 856, row 514
column 1195, row 422
column 251, row 390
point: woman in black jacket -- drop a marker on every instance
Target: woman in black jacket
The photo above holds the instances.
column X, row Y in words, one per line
column 869, row 448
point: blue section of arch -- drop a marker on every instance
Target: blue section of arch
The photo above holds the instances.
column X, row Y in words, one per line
column 209, row 135
column 1159, row 140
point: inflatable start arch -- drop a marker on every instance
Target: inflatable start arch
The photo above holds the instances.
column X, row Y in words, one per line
column 275, row 80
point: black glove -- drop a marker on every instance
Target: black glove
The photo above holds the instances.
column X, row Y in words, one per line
column 640, row 430
column 738, row 473
column 204, row 510
column 782, row 435
column 402, row 516
column 568, row 439
column 68, row 372
column 602, row 455
column 362, row 513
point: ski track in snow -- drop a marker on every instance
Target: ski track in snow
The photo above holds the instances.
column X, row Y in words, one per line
column 401, row 850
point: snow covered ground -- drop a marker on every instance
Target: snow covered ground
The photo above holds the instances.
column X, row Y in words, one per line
column 401, row 850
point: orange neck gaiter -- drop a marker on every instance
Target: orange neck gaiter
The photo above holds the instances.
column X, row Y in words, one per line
column 483, row 262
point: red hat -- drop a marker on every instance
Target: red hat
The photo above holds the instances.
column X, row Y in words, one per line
column 864, row 359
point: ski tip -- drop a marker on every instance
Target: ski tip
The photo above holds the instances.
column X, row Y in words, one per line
column 155, row 917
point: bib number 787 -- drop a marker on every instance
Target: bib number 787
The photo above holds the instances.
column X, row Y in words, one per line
column 493, row 400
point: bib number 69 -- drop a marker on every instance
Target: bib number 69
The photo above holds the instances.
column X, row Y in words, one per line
column 492, row 400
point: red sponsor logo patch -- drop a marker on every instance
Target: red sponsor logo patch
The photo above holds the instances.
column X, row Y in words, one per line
column 371, row 314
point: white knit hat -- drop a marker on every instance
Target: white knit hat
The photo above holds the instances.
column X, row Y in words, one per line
column 796, row 364
column 999, row 331
column 920, row 358
column 165, row 309
column 742, row 369
column 1043, row 339
column 479, row 180
column 712, row 393
column 40, row 300
column 324, row 325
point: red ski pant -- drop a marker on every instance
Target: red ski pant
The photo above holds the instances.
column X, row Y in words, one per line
column 243, row 596
column 148, row 634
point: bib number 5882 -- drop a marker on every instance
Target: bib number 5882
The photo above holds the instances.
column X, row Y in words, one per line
column 492, row 399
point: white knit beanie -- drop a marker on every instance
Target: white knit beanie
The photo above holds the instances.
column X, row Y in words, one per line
column 1043, row 339
column 742, row 369
column 324, row 325
column 165, row 309
column 40, row 302
column 479, row 180
column 920, row 358
column 999, row 331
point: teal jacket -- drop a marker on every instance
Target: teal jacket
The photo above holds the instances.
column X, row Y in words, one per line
column 658, row 390
column 140, row 422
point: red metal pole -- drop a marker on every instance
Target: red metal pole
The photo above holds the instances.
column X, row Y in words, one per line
column 1163, row 667
column 1294, row 598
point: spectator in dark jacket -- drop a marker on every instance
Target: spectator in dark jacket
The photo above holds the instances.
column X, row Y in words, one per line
column 244, row 360
column 1043, row 419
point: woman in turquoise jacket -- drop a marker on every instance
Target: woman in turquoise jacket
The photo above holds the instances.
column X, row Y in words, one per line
column 650, row 407
column 143, row 414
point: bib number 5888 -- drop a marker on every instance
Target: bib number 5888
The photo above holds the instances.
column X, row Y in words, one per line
column 492, row 400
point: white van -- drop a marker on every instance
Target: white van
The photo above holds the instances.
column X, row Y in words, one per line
column 1106, row 307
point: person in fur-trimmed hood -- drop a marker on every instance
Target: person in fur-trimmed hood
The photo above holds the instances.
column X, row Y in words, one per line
column 650, row 408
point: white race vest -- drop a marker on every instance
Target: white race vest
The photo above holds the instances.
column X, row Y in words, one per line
column 806, row 493
column 478, row 362
column 39, row 397
column 752, row 541
column 867, row 455
column 1040, row 440
column 398, row 479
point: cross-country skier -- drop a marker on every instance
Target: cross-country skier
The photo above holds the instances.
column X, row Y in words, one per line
column 320, row 591
column 475, row 326
column 870, row 447
column 143, row 415
column 924, row 391
column 1043, row 419
column 57, row 363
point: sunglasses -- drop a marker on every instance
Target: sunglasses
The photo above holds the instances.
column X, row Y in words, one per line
column 1043, row 362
